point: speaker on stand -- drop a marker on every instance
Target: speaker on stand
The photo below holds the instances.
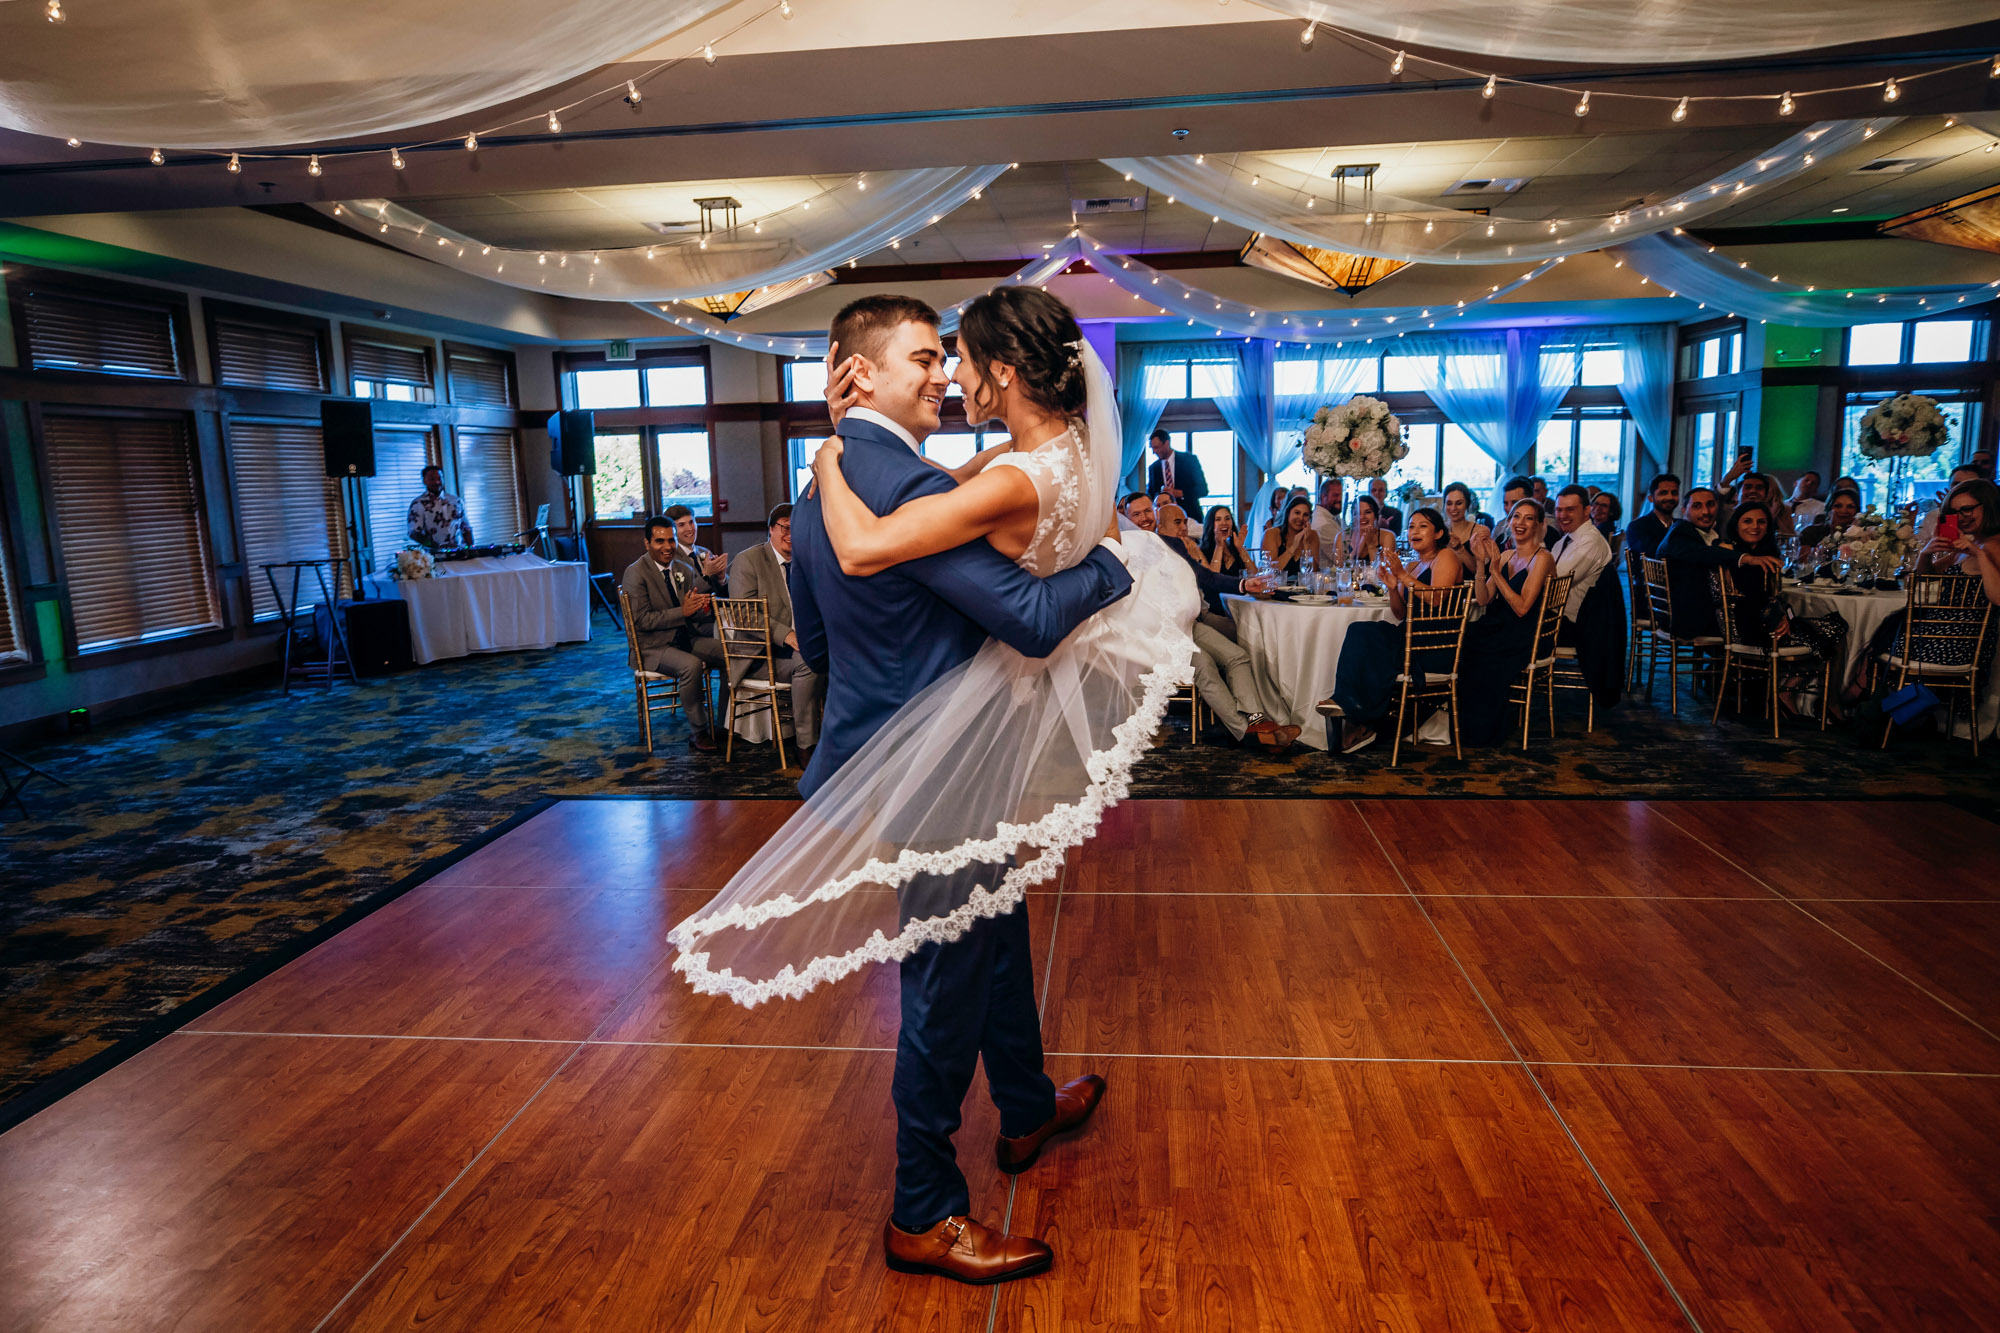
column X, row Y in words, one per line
column 573, row 455
column 347, row 436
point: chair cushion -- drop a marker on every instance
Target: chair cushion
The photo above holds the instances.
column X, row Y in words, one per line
column 650, row 675
column 1566, row 654
column 1545, row 662
column 1928, row 668
column 1430, row 678
column 1752, row 650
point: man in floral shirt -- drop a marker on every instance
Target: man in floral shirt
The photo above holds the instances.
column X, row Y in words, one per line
column 438, row 520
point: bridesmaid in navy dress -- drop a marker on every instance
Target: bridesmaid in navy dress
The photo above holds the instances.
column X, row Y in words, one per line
column 1371, row 656
column 1509, row 585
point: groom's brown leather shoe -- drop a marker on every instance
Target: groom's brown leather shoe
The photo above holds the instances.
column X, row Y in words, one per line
column 1075, row 1100
column 964, row 1250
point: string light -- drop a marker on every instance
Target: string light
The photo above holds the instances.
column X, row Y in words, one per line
column 156, row 157
column 53, row 11
column 633, row 98
column 1492, row 87
column 1583, row 107
column 1785, row 105
column 1306, row 37
column 235, row 165
column 1680, row 111
column 396, row 158
column 708, row 53
column 1891, row 91
column 555, row 125
column 472, row 142
column 784, row 8
column 75, row 142
column 1396, row 65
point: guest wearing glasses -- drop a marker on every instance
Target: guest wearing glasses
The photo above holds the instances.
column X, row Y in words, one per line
column 1293, row 539
column 1460, row 526
column 1371, row 656
column 1927, row 529
column 1580, row 552
column 1222, row 545
column 1606, row 514
column 1509, row 585
column 1976, row 549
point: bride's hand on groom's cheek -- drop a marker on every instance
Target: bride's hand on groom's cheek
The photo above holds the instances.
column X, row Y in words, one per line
column 840, row 392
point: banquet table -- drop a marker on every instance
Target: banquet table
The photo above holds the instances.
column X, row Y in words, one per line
column 492, row 604
column 1865, row 613
column 1294, row 651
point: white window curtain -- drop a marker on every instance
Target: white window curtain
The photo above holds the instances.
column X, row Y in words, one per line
column 1249, row 411
column 1541, row 377
column 1647, row 386
column 1471, row 386
column 1687, row 268
column 1144, row 390
column 1624, row 33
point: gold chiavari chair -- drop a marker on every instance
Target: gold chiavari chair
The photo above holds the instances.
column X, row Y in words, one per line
column 1433, row 636
column 655, row 691
column 1747, row 648
column 1542, row 659
column 1191, row 696
column 744, row 626
column 1947, row 620
column 1642, row 617
column 1697, row 653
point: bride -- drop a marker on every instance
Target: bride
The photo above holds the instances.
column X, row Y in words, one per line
column 1005, row 762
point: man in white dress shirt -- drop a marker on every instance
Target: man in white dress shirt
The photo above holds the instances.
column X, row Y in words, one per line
column 1326, row 516
column 1581, row 552
column 764, row 573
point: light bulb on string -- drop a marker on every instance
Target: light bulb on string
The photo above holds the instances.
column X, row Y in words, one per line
column 156, row 157
column 312, row 165
column 784, row 8
column 1785, row 106
column 633, row 97
column 472, row 142
column 1492, row 87
column 1680, row 111
column 1306, row 37
column 1428, row 226
column 861, row 182
column 1891, row 91
column 75, row 142
column 53, row 11
column 396, row 158
column 555, row 125
column 235, row 165
column 1583, row 106
column 708, row 53
column 1396, row 65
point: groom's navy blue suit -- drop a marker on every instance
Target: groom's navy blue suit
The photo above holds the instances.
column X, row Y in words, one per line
column 878, row 641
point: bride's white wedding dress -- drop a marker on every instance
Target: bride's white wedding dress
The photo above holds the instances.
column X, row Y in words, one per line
column 980, row 784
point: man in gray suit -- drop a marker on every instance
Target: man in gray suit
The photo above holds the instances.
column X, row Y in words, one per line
column 673, row 614
column 763, row 572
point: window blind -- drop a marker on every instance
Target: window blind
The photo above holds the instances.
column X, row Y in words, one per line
column 260, row 356
column 388, row 363
column 490, row 482
column 70, row 332
column 129, row 524
column 288, row 509
column 400, row 456
column 12, row 642
column 478, row 381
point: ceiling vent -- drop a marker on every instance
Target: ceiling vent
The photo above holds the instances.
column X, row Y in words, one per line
column 1487, row 185
column 1896, row 166
column 1135, row 203
column 692, row 225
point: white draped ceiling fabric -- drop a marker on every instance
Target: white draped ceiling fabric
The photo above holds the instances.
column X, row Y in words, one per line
column 1621, row 32
column 230, row 74
column 1273, row 195
column 855, row 218
column 1698, row 272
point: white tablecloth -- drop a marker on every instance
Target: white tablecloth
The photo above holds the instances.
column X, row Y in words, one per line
column 491, row 605
column 1864, row 614
column 1294, row 653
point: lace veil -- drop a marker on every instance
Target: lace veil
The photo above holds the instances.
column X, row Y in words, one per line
column 977, row 787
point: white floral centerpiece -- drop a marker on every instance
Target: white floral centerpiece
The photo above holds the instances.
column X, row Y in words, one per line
column 1359, row 438
column 413, row 562
column 1906, row 426
column 1410, row 495
column 1886, row 542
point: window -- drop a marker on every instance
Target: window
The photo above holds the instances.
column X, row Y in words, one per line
column 683, row 464
column 659, row 383
column 800, row 450
column 677, row 386
column 73, row 331
column 478, row 378
column 949, row 448
column 129, row 525
column 805, row 381
column 1464, row 461
column 1591, row 364
column 1920, row 477
column 618, row 487
column 1216, row 451
column 400, row 459
column 13, row 646
column 257, row 355
column 489, row 483
column 606, row 388
column 1421, row 463
column 1710, row 426
column 1405, row 374
column 1717, row 352
column 1925, row 342
column 391, row 371
column 1196, row 377
column 1581, row 446
column 287, row 508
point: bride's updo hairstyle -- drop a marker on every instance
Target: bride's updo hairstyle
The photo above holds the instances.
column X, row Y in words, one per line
column 1026, row 328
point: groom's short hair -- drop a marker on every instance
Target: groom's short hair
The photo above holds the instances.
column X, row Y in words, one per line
column 863, row 327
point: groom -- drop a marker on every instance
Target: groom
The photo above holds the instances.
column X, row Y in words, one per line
column 879, row 640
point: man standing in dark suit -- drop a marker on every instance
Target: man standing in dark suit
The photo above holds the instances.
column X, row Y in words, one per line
column 673, row 615
column 1646, row 532
column 763, row 574
column 1692, row 548
column 1175, row 474
column 969, row 1000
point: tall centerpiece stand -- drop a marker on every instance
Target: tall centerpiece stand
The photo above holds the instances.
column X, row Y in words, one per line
column 1906, row 426
column 1358, row 438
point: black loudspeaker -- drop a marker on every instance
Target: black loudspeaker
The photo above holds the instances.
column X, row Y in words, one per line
column 378, row 635
column 347, row 432
column 573, row 443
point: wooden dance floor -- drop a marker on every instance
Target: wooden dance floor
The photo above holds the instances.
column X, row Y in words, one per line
column 1409, row 1066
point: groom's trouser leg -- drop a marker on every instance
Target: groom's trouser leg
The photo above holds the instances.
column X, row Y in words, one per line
column 974, row 994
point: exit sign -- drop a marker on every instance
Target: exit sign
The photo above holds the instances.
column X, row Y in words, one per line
column 621, row 350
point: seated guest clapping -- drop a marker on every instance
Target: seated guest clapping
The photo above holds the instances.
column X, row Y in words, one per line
column 673, row 616
column 1508, row 584
column 1461, row 526
column 1293, row 539
column 1365, row 540
column 1371, row 656
column 1222, row 548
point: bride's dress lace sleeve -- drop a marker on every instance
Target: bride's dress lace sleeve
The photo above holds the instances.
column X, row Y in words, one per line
column 1057, row 471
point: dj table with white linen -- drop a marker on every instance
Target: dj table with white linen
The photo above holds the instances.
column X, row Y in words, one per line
column 1294, row 652
column 492, row 604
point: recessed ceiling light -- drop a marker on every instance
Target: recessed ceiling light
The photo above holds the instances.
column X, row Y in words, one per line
column 1840, row 210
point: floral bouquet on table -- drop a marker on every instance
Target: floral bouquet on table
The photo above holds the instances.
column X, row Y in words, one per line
column 1359, row 438
column 1906, row 426
column 1882, row 543
column 1410, row 495
column 413, row 562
